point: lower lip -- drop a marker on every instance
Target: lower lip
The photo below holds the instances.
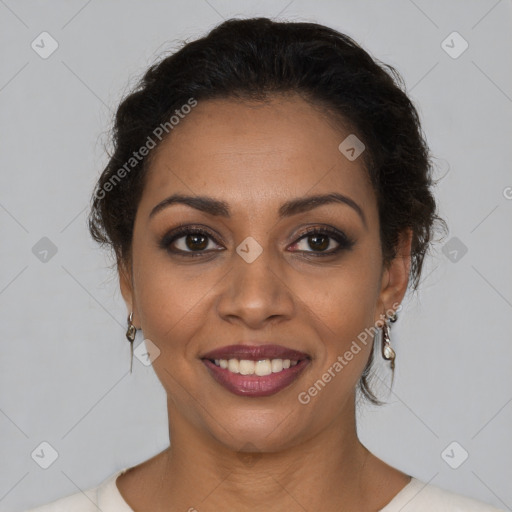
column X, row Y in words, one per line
column 253, row 385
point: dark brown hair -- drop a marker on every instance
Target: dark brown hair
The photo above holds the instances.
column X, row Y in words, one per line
column 253, row 59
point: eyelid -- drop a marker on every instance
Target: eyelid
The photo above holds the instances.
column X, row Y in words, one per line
column 183, row 230
column 323, row 229
column 344, row 241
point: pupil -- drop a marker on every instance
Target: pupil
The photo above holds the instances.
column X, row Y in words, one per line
column 316, row 245
column 193, row 239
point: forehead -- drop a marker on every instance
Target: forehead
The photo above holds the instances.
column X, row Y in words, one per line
column 255, row 154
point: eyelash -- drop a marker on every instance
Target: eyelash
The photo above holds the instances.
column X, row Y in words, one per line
column 345, row 243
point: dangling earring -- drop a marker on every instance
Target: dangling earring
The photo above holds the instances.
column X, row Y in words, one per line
column 387, row 352
column 130, row 335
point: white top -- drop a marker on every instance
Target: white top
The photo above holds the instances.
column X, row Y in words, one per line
column 416, row 496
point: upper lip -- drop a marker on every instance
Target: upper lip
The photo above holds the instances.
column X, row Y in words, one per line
column 255, row 353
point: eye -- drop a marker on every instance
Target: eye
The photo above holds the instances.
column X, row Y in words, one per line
column 322, row 239
column 189, row 240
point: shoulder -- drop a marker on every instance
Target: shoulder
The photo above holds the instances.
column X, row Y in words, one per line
column 104, row 496
column 419, row 496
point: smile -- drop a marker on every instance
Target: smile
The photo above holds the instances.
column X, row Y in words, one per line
column 252, row 385
column 257, row 370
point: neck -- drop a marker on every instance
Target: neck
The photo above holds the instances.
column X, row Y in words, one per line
column 328, row 467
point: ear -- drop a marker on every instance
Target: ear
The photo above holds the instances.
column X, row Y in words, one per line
column 395, row 277
column 126, row 286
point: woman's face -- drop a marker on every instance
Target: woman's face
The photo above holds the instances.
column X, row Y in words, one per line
column 251, row 276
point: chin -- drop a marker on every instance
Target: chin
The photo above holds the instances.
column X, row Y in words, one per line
column 248, row 428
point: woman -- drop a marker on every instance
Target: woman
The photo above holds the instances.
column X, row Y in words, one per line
column 268, row 203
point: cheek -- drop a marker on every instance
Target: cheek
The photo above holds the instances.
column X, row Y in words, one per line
column 345, row 295
column 170, row 299
column 343, row 311
column 171, row 308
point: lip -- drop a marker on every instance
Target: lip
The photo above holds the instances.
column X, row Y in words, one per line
column 255, row 353
column 253, row 385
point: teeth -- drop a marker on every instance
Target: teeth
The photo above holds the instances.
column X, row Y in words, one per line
column 233, row 365
column 260, row 368
column 276, row 365
column 246, row 367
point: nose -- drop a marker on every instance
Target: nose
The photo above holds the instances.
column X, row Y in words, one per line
column 256, row 293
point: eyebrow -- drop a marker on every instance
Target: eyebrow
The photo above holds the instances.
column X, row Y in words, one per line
column 220, row 208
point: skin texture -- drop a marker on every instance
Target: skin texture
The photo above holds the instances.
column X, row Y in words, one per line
column 256, row 156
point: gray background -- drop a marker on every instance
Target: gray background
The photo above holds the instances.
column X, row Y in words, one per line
column 64, row 360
